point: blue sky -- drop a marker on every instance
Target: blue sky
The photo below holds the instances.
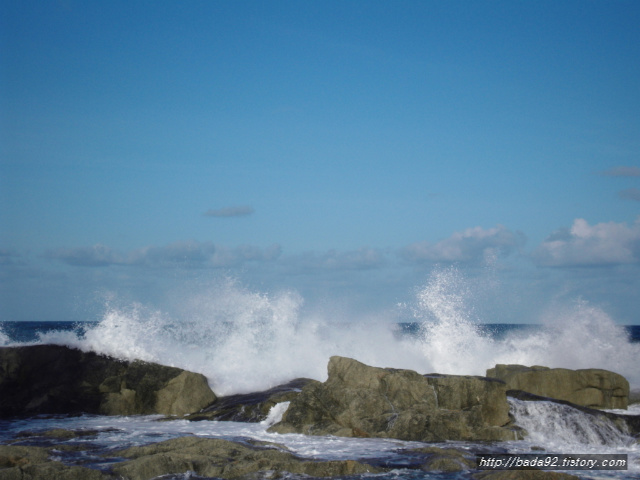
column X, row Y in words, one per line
column 340, row 149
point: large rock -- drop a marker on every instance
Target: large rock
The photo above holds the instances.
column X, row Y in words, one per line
column 34, row 463
column 590, row 387
column 213, row 457
column 359, row 400
column 54, row 379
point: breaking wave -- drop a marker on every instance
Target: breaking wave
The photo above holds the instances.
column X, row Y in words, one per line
column 247, row 341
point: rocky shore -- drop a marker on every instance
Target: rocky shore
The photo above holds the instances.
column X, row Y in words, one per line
column 217, row 458
column 46, row 379
column 362, row 401
column 356, row 400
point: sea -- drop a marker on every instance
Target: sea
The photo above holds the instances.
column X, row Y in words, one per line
column 246, row 341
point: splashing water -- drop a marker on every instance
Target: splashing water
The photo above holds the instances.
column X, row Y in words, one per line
column 579, row 336
column 240, row 340
column 563, row 427
column 451, row 341
column 275, row 414
column 576, row 336
column 246, row 341
column 4, row 338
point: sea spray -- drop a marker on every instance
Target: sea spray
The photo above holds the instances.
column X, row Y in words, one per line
column 565, row 428
column 241, row 340
column 244, row 340
column 4, row 338
column 275, row 414
column 451, row 341
column 578, row 335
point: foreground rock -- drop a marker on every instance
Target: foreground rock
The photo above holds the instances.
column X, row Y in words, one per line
column 46, row 379
column 590, row 387
column 34, row 463
column 359, row 400
column 216, row 458
column 211, row 457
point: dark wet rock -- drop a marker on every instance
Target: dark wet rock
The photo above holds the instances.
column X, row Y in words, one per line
column 590, row 387
column 211, row 457
column 523, row 475
column 250, row 407
column 34, row 463
column 16, row 456
column 445, row 459
column 60, row 434
column 362, row 401
column 630, row 423
column 47, row 379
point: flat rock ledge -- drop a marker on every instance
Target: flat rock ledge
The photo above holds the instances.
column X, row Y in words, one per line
column 358, row 400
column 217, row 458
column 206, row 457
column 52, row 379
column 590, row 387
column 34, row 463
column 212, row 457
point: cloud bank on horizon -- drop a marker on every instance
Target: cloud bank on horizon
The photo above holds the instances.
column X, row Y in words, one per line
column 581, row 245
column 340, row 149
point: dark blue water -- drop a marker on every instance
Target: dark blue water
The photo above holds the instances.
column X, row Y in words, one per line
column 501, row 330
column 20, row 332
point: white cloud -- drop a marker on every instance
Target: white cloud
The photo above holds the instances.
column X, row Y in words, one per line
column 188, row 254
column 474, row 245
column 586, row 245
column 95, row 256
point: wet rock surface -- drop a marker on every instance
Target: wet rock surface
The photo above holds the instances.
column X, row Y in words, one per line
column 250, row 407
column 591, row 387
column 362, row 401
column 219, row 458
column 35, row 463
column 47, row 379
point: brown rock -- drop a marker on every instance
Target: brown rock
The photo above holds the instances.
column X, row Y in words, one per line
column 32, row 463
column 54, row 379
column 359, row 400
column 590, row 387
column 445, row 459
column 211, row 457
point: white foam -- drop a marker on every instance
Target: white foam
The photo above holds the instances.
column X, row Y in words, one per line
column 575, row 336
column 247, row 341
column 275, row 414
column 564, row 428
column 4, row 338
